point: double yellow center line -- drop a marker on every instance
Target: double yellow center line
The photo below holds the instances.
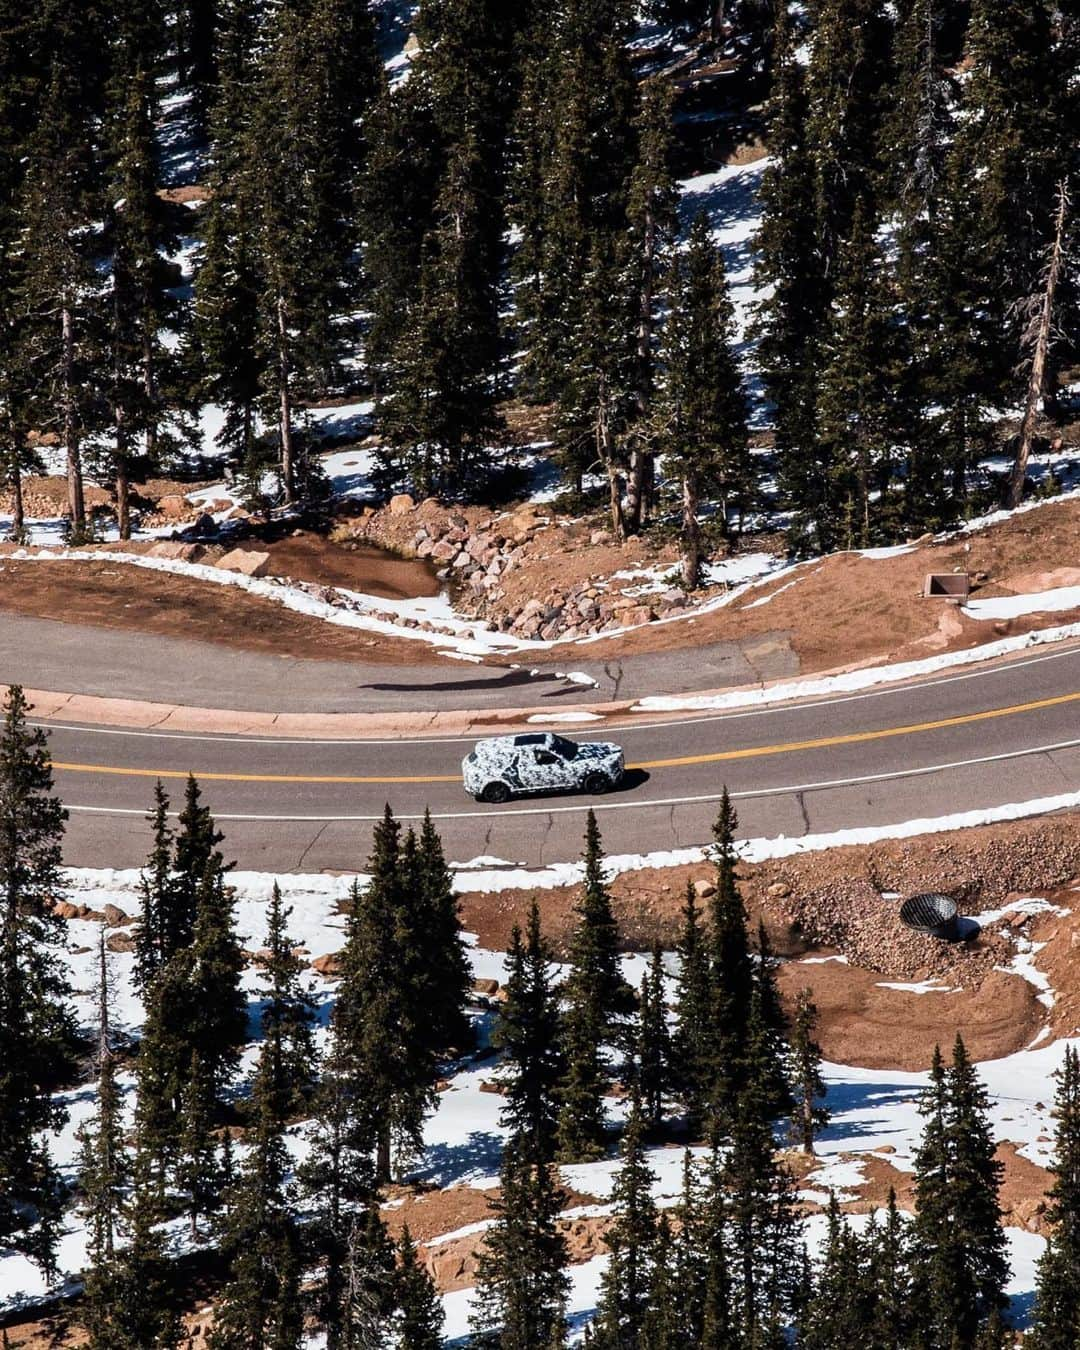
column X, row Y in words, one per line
column 717, row 757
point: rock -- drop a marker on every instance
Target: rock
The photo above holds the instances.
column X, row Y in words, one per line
column 462, row 560
column 779, row 889
column 1018, row 919
column 63, row 909
column 120, row 942
column 328, row 966
column 178, row 550
column 401, row 504
column 673, row 599
column 115, row 916
column 205, row 525
column 640, row 614
column 599, row 537
column 245, row 561
column 443, row 551
column 496, row 1089
column 704, row 887
column 485, row 987
column 174, row 506
column 425, row 547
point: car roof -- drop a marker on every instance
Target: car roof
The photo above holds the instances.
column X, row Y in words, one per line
column 504, row 744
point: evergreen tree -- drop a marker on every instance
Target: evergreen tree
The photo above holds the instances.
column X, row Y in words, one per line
column 653, row 1044
column 890, row 1274
column 597, row 1000
column 790, row 274
column 632, row 1237
column 362, row 1320
column 841, row 1307
column 527, row 1031
column 1056, row 1323
column 420, row 1314
column 152, row 948
column 959, row 1261
column 702, row 411
column 218, row 1027
column 196, row 858
column 260, row 1304
column 199, row 1176
column 380, row 1020
column 521, row 1283
column 731, row 969
column 691, row 1045
column 438, row 922
column 809, row 1115
column 288, row 1018
column 37, row 1036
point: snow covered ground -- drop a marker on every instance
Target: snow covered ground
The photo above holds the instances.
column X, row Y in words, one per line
column 871, row 1109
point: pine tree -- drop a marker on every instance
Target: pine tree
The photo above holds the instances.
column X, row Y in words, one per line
column 218, row 1028
column 37, row 1037
column 288, row 1018
column 841, row 1307
column 380, row 1022
column 809, row 1115
column 632, row 1238
column 702, row 409
column 890, row 1272
column 420, row 1314
column 527, row 1032
column 652, row 1050
column 790, row 275
column 196, row 857
column 59, row 292
column 438, row 920
column 198, row 1172
column 152, row 949
column 368, row 1287
column 103, row 1173
column 597, row 1000
column 521, row 1283
column 960, row 1267
column 260, row 1304
column 691, row 1042
column 1056, row 1322
column 731, row 969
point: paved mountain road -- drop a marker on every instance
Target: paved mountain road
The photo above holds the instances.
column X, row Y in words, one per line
column 982, row 737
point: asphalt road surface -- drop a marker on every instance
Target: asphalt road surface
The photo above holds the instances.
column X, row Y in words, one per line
column 982, row 737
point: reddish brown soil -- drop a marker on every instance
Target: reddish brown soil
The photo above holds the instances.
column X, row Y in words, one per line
column 121, row 596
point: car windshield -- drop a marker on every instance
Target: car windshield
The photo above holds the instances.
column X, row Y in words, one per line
column 567, row 749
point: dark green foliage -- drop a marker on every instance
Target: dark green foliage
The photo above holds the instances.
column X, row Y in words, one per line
column 1057, row 1303
column 958, row 1246
column 652, row 1049
column 152, row 945
column 196, row 856
column 597, row 1001
column 527, row 1031
column 287, row 1067
column 438, row 922
column 420, row 1314
column 701, row 414
column 37, row 1037
column 731, row 969
column 809, row 1114
column 691, row 1050
column 199, row 1175
column 630, row 1277
column 522, row 1286
column 842, row 1307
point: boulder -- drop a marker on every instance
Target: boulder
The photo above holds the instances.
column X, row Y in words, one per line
column 115, row 916
column 63, row 909
column 640, row 614
column 401, row 504
column 443, row 551
column 174, row 506
column 120, row 942
column 245, row 561
column 178, row 550
column 328, row 966
column 704, row 887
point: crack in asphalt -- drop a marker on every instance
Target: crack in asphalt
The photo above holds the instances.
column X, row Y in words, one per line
column 800, row 797
column 311, row 844
column 549, row 822
column 616, row 677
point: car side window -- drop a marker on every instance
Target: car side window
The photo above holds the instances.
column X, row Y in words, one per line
column 545, row 757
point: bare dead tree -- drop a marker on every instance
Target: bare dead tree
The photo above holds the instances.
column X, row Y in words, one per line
column 1038, row 333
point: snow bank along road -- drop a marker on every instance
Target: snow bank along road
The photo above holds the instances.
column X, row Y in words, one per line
column 956, row 742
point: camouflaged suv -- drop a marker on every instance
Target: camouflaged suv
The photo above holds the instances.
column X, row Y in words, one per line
column 503, row 766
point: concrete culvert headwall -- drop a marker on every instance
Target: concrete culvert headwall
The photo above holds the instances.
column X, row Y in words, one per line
column 931, row 913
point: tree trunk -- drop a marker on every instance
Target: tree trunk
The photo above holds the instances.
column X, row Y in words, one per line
column 1038, row 336
column 640, row 456
column 18, row 512
column 123, row 496
column 691, row 534
column 150, row 390
column 382, row 1157
column 76, row 496
column 606, row 455
column 288, row 463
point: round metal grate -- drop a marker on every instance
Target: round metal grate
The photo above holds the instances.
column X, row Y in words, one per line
column 930, row 913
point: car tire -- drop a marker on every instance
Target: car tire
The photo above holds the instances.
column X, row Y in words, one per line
column 495, row 793
column 597, row 783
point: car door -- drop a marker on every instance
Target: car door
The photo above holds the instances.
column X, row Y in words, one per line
column 549, row 770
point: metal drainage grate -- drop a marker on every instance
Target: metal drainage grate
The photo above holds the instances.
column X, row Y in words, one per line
column 931, row 913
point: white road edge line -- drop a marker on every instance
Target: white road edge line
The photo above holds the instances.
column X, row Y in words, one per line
column 619, row 806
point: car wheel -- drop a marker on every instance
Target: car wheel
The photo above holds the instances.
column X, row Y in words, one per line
column 496, row 793
column 597, row 783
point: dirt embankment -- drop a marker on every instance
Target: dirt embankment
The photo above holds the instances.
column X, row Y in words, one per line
column 830, row 904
